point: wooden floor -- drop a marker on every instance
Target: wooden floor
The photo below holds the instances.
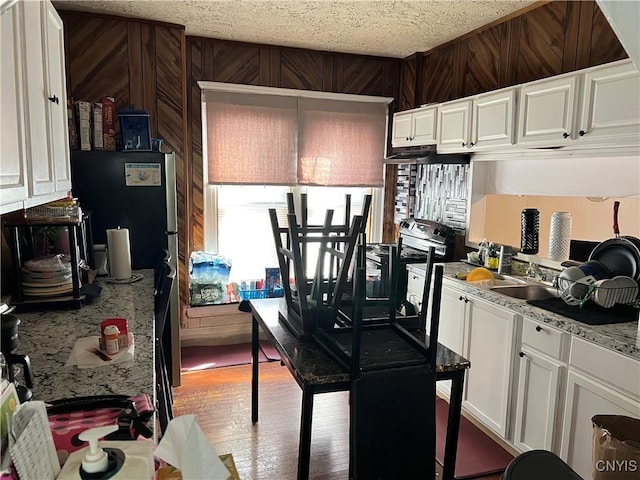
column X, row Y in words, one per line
column 268, row 450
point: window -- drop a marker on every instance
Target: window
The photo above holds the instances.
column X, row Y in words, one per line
column 261, row 143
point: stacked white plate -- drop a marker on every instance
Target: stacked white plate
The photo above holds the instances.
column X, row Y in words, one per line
column 47, row 276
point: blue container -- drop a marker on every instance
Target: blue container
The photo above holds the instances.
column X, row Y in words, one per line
column 135, row 130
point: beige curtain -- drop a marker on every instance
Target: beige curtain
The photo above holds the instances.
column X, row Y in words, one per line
column 341, row 142
column 256, row 139
column 251, row 138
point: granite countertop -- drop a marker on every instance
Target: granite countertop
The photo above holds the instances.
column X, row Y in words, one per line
column 47, row 335
column 623, row 338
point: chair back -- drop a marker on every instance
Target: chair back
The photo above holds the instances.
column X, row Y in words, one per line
column 162, row 297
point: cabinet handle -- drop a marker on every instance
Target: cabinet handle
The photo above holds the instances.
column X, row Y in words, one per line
column 521, row 354
column 54, row 99
column 460, row 298
column 472, row 144
column 565, row 135
column 581, row 133
column 538, row 328
column 464, row 144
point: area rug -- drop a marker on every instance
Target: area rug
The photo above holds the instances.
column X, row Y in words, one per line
column 214, row 356
column 478, row 454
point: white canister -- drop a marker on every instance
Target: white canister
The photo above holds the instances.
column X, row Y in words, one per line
column 560, row 236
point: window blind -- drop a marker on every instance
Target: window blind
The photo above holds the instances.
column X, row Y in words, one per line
column 270, row 139
column 252, row 139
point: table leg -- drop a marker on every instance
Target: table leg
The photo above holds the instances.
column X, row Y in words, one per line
column 453, row 426
column 254, row 369
column 304, row 449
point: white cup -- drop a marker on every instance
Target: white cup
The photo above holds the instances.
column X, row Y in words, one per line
column 605, row 293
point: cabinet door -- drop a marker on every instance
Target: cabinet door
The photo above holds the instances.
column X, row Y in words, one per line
column 490, row 349
column 584, row 399
column 546, row 112
column 42, row 175
column 493, row 120
column 57, row 90
column 402, row 129
column 454, row 124
column 424, row 126
column 537, row 402
column 453, row 308
column 611, row 102
column 13, row 166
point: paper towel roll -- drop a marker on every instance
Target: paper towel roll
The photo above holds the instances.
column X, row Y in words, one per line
column 119, row 253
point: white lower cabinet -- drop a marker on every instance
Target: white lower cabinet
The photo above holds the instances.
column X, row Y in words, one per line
column 451, row 326
column 585, row 398
column 484, row 334
column 539, row 386
column 491, row 334
column 599, row 382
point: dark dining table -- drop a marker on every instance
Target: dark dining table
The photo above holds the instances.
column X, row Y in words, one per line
column 316, row 372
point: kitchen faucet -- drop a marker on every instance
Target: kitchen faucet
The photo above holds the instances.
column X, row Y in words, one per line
column 533, row 271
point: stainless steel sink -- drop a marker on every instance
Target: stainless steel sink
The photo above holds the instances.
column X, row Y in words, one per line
column 526, row 292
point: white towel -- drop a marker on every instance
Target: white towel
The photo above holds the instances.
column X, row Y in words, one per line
column 83, row 356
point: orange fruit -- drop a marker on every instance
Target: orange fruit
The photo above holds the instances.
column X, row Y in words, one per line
column 480, row 274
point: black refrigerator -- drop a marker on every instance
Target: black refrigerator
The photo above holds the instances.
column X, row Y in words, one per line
column 137, row 191
column 133, row 190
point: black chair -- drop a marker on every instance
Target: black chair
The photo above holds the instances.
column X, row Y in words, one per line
column 538, row 464
column 312, row 300
column 161, row 310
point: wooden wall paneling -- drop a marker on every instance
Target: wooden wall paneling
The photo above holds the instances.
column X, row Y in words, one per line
column 541, row 42
column 605, row 46
column 438, row 75
column 328, row 73
column 409, row 84
column 390, row 190
column 338, row 76
column 136, row 80
column 362, row 76
column 264, row 77
column 196, row 68
column 301, row 69
column 481, row 64
column 235, row 63
column 505, row 54
column 584, row 34
column 98, row 54
column 149, row 74
column 511, row 67
column 572, row 28
column 274, row 66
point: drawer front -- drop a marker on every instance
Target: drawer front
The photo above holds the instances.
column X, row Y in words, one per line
column 543, row 338
column 415, row 284
column 614, row 368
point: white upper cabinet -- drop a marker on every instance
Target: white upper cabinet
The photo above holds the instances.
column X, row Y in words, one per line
column 58, row 130
column 454, row 126
column 414, row 127
column 481, row 122
column 610, row 106
column 41, row 128
column 493, row 119
column 13, row 165
column 547, row 111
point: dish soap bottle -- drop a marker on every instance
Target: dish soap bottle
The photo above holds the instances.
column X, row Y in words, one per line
column 491, row 257
column 482, row 251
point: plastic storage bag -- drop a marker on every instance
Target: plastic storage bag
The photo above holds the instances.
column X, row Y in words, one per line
column 208, row 278
column 616, row 447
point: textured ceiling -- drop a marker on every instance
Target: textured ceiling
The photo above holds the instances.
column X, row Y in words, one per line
column 386, row 28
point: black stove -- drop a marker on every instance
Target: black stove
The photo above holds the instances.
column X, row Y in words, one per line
column 417, row 236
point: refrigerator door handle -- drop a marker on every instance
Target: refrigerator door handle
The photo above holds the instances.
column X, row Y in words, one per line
column 170, row 232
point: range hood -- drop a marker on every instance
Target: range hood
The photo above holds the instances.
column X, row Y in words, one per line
column 424, row 155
